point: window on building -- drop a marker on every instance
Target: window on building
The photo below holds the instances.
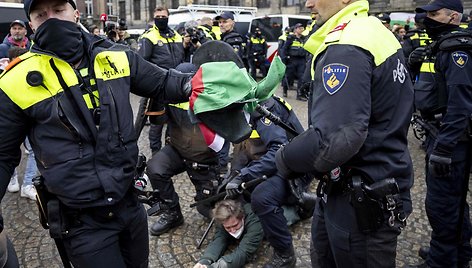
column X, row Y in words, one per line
column 89, row 7
column 234, row 2
column 122, row 9
column 152, row 6
column 263, row 3
column 291, row 2
column 175, row 4
column 110, row 7
column 213, row 2
column 137, row 9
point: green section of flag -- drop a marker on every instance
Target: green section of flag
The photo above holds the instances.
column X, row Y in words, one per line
column 224, row 83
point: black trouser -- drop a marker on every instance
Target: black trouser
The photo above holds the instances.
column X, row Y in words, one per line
column 337, row 241
column 295, row 70
column 113, row 236
column 257, row 62
column 167, row 163
column 443, row 204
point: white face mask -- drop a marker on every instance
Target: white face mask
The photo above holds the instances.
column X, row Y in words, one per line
column 238, row 232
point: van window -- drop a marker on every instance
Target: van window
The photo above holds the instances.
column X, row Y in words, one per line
column 271, row 27
column 241, row 27
column 293, row 21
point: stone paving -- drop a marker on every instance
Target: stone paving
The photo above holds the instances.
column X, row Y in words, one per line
column 178, row 248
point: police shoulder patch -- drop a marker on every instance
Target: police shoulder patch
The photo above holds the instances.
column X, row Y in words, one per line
column 266, row 121
column 334, row 76
column 460, row 58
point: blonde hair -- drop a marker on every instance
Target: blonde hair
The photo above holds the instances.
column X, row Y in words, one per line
column 226, row 209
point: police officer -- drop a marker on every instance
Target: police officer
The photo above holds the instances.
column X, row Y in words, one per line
column 162, row 46
column 254, row 158
column 385, row 19
column 70, row 96
column 207, row 28
column 362, row 104
column 186, row 151
column 414, row 39
column 257, row 51
column 448, row 144
column 294, row 57
column 229, row 35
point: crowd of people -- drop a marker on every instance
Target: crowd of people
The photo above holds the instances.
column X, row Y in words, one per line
column 66, row 98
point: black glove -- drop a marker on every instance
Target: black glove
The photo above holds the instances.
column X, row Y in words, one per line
column 418, row 55
column 233, row 189
column 282, row 168
column 439, row 164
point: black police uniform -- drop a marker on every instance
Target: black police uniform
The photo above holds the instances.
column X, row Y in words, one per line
column 257, row 51
column 255, row 158
column 165, row 49
column 79, row 123
column 362, row 106
column 448, row 107
column 414, row 39
column 295, row 60
column 235, row 40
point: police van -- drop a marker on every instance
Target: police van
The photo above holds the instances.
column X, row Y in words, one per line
column 242, row 15
column 272, row 27
column 8, row 13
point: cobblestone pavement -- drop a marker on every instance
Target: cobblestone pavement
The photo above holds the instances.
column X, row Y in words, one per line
column 178, row 248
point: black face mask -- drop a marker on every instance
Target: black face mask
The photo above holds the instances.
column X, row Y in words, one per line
column 435, row 29
column 161, row 23
column 63, row 38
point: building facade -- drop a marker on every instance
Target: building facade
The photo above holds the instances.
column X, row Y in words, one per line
column 138, row 12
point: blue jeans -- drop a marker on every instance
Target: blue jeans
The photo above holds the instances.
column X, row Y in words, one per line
column 31, row 169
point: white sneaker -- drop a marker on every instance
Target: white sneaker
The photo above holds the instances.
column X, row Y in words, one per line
column 28, row 191
column 13, row 186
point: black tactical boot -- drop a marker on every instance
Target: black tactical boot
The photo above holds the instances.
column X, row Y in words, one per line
column 169, row 219
column 282, row 259
column 423, row 252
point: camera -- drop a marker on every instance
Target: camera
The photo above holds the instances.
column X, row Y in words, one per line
column 195, row 35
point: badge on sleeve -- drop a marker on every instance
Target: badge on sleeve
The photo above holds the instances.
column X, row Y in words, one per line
column 334, row 77
column 266, row 121
column 460, row 58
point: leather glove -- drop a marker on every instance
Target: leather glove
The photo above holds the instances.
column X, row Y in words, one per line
column 233, row 187
column 282, row 168
column 418, row 55
column 439, row 165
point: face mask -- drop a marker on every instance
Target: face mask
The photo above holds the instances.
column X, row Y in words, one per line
column 161, row 23
column 238, row 232
column 434, row 28
column 63, row 38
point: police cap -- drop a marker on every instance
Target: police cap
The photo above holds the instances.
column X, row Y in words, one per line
column 298, row 25
column 226, row 15
column 434, row 5
column 28, row 4
column 383, row 17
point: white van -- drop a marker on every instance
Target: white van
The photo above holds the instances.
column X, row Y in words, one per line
column 272, row 27
column 242, row 15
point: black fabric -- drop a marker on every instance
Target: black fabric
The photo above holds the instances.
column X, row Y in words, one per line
column 216, row 51
column 434, row 28
column 161, row 23
column 62, row 38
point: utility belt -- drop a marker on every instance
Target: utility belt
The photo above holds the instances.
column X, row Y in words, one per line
column 207, row 177
column 373, row 203
column 59, row 218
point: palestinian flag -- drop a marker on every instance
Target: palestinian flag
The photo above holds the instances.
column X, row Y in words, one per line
column 223, row 95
